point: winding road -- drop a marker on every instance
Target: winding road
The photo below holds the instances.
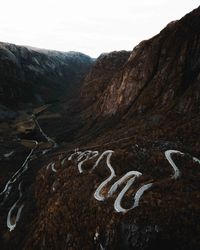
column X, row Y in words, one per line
column 81, row 157
column 168, row 154
column 49, row 139
column 6, row 191
column 129, row 178
column 12, row 220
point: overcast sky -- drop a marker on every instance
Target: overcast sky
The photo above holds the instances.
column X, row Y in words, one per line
column 89, row 26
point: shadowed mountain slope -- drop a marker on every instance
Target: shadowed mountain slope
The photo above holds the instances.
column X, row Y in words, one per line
column 31, row 76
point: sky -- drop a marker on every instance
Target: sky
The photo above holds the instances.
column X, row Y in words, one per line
column 89, row 26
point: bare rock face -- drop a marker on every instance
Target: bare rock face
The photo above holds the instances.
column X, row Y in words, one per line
column 159, row 73
column 107, row 67
column 116, row 166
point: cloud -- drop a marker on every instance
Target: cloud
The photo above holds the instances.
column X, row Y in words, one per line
column 88, row 26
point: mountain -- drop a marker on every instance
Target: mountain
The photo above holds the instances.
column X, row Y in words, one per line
column 160, row 73
column 115, row 165
column 31, row 76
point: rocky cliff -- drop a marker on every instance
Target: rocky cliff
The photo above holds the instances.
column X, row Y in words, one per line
column 160, row 73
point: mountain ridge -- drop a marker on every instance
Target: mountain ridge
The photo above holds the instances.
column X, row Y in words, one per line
column 37, row 75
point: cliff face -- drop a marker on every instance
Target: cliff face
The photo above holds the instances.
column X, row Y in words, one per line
column 99, row 78
column 161, row 73
column 105, row 71
column 31, row 76
column 116, row 166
